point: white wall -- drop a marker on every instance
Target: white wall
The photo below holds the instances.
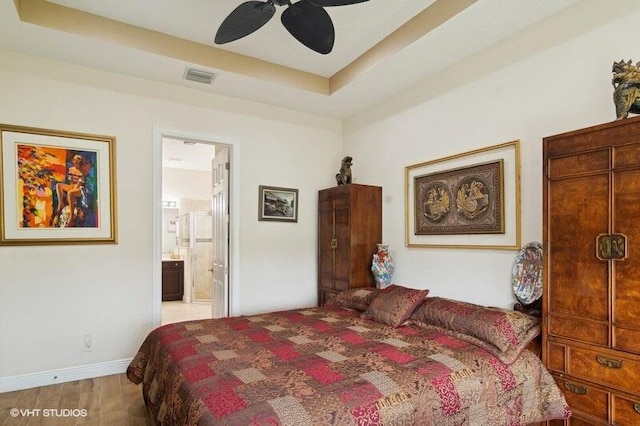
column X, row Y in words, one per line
column 50, row 296
column 561, row 88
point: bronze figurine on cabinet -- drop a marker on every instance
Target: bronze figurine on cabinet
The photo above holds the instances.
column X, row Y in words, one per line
column 626, row 85
column 344, row 177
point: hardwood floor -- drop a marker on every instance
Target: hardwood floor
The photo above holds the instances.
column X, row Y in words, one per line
column 109, row 400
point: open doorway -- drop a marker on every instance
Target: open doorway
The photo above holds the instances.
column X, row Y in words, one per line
column 186, row 250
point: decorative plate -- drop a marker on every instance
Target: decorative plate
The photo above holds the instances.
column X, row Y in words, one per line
column 526, row 276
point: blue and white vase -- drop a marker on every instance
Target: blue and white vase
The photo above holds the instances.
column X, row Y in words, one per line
column 382, row 266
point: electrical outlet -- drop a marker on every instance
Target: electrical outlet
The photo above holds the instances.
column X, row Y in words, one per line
column 88, row 342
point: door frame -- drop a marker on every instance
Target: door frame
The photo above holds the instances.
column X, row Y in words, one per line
column 234, row 218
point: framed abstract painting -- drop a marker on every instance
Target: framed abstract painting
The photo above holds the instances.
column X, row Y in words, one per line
column 58, row 187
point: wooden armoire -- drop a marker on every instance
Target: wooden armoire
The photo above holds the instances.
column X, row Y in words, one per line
column 591, row 296
column 349, row 227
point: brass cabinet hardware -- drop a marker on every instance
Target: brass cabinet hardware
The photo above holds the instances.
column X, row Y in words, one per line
column 611, row 246
column 578, row 390
column 609, row 362
column 636, row 407
column 334, row 243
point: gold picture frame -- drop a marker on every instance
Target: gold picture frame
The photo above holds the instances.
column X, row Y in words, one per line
column 436, row 191
column 58, row 187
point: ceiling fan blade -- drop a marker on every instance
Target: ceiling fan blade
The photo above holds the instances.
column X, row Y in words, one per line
column 245, row 19
column 327, row 3
column 311, row 25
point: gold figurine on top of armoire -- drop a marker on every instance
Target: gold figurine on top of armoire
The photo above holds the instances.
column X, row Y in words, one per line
column 626, row 84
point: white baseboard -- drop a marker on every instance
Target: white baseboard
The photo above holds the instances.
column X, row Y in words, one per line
column 44, row 378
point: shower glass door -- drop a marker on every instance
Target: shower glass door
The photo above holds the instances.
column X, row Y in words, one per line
column 202, row 256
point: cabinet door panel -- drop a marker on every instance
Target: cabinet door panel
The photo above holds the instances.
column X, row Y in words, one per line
column 627, row 271
column 577, row 213
column 172, row 280
column 342, row 245
column 325, row 252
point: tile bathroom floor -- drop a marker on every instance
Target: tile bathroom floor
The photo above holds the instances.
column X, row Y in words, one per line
column 179, row 311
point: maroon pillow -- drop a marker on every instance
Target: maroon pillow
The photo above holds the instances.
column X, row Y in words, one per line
column 358, row 299
column 394, row 304
column 506, row 330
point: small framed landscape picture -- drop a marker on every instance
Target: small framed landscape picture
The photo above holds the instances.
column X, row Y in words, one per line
column 278, row 204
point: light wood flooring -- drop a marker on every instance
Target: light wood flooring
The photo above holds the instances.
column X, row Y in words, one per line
column 109, row 400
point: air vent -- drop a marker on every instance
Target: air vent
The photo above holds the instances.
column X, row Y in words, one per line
column 199, row 76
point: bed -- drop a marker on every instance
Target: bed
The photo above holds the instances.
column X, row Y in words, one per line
column 368, row 357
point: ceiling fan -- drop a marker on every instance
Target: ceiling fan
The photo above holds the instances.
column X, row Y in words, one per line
column 306, row 20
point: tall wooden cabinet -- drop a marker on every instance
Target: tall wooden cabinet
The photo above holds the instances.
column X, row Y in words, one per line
column 591, row 298
column 349, row 227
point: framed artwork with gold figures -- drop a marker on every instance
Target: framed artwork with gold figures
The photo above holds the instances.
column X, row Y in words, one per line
column 469, row 200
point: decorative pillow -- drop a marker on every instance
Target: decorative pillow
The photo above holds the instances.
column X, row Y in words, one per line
column 507, row 357
column 505, row 330
column 357, row 299
column 510, row 354
column 394, row 304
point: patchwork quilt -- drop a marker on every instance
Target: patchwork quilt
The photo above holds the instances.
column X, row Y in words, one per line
column 329, row 366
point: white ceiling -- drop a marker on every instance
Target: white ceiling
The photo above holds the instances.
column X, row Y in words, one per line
column 358, row 28
column 179, row 154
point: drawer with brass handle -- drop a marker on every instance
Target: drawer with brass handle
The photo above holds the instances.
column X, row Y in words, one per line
column 584, row 399
column 616, row 370
column 625, row 411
